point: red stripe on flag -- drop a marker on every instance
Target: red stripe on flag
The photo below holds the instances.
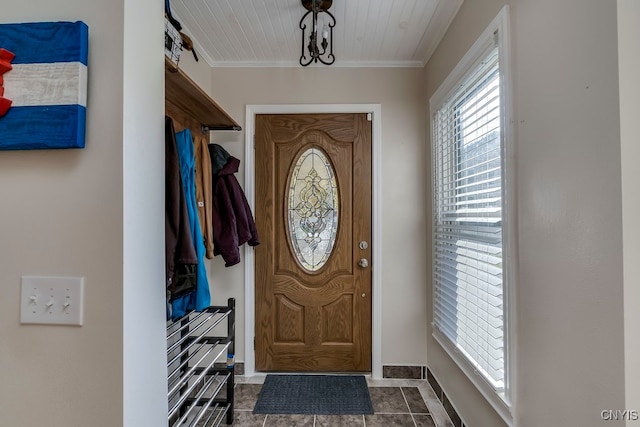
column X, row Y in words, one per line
column 6, row 55
column 5, row 65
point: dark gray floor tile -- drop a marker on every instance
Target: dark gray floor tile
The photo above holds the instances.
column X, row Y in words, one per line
column 424, row 421
column 246, row 419
column 389, row 420
column 246, row 396
column 289, row 421
column 339, row 420
column 388, row 400
column 415, row 400
column 389, row 405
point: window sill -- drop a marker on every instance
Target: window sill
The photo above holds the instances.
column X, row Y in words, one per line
column 497, row 400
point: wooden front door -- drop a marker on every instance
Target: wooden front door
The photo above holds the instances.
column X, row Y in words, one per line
column 313, row 213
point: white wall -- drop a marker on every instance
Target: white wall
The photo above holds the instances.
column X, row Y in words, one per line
column 144, row 294
column 570, row 287
column 569, row 336
column 399, row 91
column 629, row 68
column 64, row 213
column 198, row 71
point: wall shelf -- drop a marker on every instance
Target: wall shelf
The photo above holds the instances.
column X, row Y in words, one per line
column 183, row 94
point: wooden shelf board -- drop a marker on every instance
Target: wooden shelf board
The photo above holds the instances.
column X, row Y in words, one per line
column 184, row 94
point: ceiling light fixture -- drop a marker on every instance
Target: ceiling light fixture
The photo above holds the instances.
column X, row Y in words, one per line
column 321, row 22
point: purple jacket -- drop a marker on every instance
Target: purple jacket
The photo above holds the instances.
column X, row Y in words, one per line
column 233, row 223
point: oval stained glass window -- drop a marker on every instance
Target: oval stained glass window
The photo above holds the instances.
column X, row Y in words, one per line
column 312, row 209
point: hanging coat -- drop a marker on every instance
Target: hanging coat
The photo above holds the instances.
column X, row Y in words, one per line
column 233, row 223
column 200, row 299
column 203, row 192
column 180, row 253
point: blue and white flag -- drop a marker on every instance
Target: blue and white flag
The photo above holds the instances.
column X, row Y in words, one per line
column 46, row 85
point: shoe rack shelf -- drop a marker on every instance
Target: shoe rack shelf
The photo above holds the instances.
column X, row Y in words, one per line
column 200, row 367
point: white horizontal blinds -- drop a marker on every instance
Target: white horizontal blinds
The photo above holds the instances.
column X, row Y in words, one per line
column 468, row 287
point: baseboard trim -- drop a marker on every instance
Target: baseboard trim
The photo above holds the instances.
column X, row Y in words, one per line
column 444, row 399
column 411, row 372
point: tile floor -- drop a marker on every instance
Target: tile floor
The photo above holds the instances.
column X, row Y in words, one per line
column 402, row 403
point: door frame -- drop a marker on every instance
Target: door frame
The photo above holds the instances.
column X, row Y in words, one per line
column 376, row 210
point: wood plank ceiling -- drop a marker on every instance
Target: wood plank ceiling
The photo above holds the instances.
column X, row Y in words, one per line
column 265, row 33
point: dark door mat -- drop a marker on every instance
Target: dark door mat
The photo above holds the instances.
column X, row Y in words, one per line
column 314, row 395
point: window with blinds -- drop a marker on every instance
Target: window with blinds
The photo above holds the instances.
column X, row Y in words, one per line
column 469, row 308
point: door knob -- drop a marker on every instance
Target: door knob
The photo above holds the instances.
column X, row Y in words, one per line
column 363, row 263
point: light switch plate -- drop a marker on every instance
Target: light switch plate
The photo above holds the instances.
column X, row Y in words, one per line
column 52, row 300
